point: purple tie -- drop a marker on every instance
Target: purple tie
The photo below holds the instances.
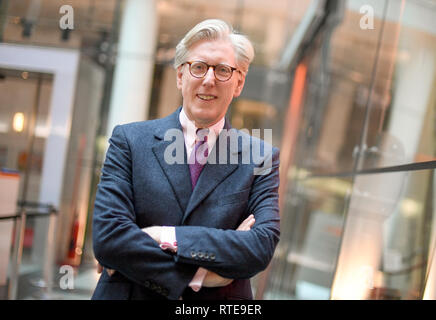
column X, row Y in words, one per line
column 198, row 157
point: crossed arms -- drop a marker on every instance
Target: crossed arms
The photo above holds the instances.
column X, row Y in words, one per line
column 211, row 279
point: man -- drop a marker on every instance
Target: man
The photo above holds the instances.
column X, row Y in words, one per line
column 190, row 229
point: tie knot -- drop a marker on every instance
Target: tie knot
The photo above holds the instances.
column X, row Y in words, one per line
column 202, row 134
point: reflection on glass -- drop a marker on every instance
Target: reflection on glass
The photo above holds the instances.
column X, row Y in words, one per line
column 25, row 107
column 403, row 99
column 305, row 260
column 377, row 111
column 18, row 122
column 386, row 243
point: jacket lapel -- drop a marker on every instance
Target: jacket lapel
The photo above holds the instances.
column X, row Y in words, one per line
column 211, row 176
column 178, row 173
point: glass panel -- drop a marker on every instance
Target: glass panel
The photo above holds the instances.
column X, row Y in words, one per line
column 386, row 246
column 329, row 128
column 340, row 69
column 401, row 126
column 24, row 95
column 304, row 263
column 24, row 115
column 360, row 104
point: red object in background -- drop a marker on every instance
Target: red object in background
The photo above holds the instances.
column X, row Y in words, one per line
column 75, row 247
column 28, row 237
column 73, row 241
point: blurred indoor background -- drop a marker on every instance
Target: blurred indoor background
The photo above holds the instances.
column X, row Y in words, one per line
column 348, row 87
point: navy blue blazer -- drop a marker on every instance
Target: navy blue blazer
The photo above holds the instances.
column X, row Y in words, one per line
column 138, row 188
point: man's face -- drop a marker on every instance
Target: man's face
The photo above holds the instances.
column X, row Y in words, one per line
column 206, row 100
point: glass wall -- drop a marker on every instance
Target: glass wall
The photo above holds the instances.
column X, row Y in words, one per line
column 357, row 212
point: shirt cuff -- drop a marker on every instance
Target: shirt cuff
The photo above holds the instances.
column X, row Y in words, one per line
column 197, row 282
column 168, row 239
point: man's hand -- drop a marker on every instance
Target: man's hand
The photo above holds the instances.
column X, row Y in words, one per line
column 212, row 279
column 247, row 223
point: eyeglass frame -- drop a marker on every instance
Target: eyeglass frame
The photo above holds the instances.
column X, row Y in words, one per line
column 213, row 67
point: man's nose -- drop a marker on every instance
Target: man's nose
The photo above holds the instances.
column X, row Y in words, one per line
column 209, row 77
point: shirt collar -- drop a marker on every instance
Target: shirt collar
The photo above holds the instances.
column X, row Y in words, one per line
column 189, row 129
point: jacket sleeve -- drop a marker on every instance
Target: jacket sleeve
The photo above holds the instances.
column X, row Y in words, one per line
column 238, row 254
column 118, row 241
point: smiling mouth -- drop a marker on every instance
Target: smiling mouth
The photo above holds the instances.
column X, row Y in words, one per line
column 206, row 97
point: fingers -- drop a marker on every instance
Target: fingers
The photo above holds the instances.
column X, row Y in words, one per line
column 247, row 223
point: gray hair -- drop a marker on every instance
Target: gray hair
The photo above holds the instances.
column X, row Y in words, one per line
column 215, row 29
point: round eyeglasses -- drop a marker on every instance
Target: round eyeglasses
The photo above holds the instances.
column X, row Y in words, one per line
column 199, row 69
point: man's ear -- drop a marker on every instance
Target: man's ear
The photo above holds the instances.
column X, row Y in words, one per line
column 179, row 77
column 240, row 85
